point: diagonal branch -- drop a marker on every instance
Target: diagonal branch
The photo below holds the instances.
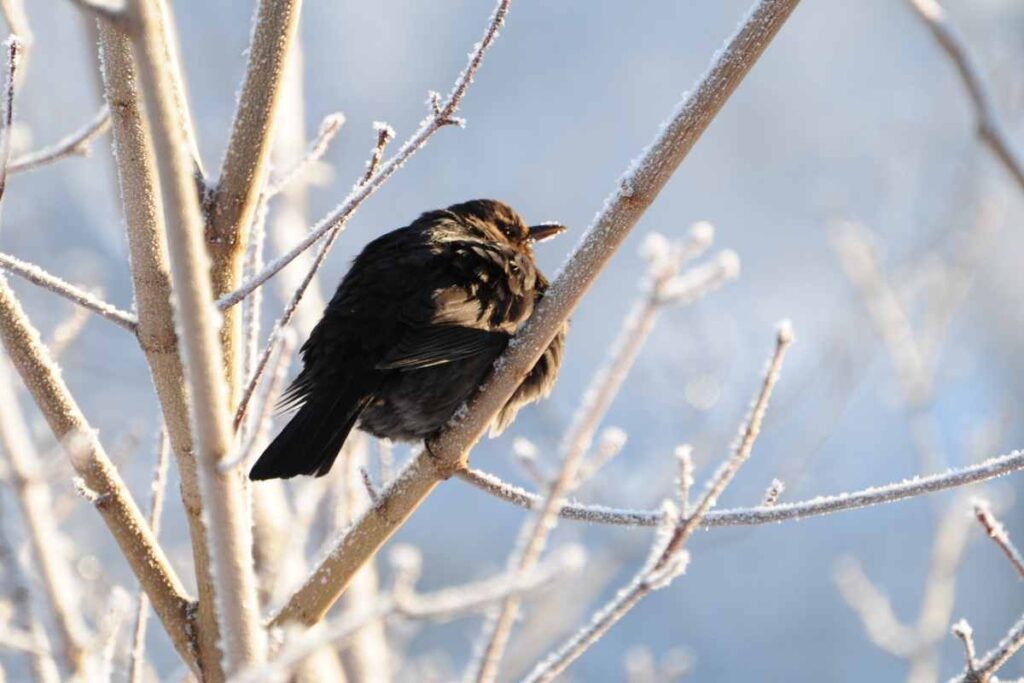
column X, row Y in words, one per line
column 44, row 279
column 112, row 499
column 637, row 189
column 443, row 114
column 75, row 144
column 990, row 127
column 669, row 557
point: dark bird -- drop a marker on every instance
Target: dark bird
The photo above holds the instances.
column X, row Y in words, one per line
column 411, row 332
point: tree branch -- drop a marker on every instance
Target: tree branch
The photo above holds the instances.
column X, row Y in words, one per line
column 76, row 295
column 990, row 127
column 76, row 144
column 224, row 504
column 447, row 454
column 244, row 169
column 90, row 461
column 668, row 557
column 780, row 512
column 442, row 115
column 143, row 212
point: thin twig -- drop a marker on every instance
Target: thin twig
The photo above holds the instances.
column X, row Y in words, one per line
column 636, row 190
column 34, row 500
column 442, row 116
column 597, row 399
column 988, row 665
column 76, row 295
column 822, row 505
column 14, row 48
column 78, row 143
column 67, row 331
column 962, row 630
column 329, row 127
column 384, row 135
column 137, row 659
column 669, row 558
column 990, row 127
column 997, row 532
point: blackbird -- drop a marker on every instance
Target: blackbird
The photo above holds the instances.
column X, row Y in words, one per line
column 411, row 332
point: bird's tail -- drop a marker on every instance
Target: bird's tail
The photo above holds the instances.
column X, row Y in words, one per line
column 310, row 442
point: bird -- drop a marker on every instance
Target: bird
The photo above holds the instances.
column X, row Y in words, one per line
column 412, row 331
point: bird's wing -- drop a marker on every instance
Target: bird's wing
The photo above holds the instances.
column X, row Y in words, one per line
column 426, row 347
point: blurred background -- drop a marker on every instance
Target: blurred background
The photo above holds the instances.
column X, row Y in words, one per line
column 852, row 130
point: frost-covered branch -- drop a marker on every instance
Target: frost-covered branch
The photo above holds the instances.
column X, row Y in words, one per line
column 637, row 189
column 668, row 558
column 223, row 498
column 664, row 286
column 982, row 670
column 405, row 603
column 142, row 207
column 76, row 295
column 158, row 488
column 990, row 128
column 441, row 116
column 243, row 172
column 329, row 127
column 822, row 505
column 293, row 304
column 33, row 495
column 997, row 532
column 78, row 143
column 112, row 499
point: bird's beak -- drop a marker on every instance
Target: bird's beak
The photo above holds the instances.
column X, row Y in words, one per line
column 539, row 233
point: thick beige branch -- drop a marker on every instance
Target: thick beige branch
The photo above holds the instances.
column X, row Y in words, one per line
column 224, row 504
column 990, row 128
column 244, row 170
column 637, row 189
column 112, row 499
column 151, row 278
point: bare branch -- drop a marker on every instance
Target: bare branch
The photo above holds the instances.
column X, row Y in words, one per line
column 668, row 557
column 997, row 532
column 329, row 128
column 76, row 295
column 33, row 496
column 158, row 488
column 115, row 503
column 774, row 492
column 385, row 134
column 67, row 331
column 243, row 172
column 447, row 454
column 990, row 127
column 143, row 211
column 224, row 503
column 965, row 633
column 14, row 48
column 597, row 399
column 988, row 665
column 78, row 143
column 821, row 505
column 336, row 220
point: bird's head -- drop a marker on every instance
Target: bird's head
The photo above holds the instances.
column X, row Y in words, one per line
column 499, row 222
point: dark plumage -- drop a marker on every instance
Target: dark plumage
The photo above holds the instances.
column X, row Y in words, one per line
column 413, row 328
